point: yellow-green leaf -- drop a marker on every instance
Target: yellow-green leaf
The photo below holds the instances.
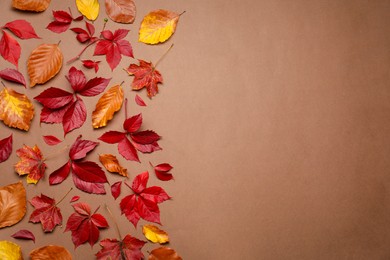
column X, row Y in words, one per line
column 10, row 251
column 155, row 234
column 158, row 26
column 88, row 8
column 12, row 204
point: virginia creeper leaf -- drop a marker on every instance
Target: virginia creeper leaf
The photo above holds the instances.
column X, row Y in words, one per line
column 75, row 198
column 121, row 11
column 139, row 101
column 81, row 148
column 89, row 187
column 31, row 5
column 10, row 251
column 116, row 189
column 75, row 116
column 50, row 252
column 90, row 64
column 13, row 75
column 10, row 48
column 54, row 98
column 21, row 29
column 89, row 8
column 89, row 172
column 111, row 163
column 164, row 253
column 54, row 116
column 155, row 234
column 129, row 248
column 162, row 171
column 12, row 204
column 24, row 234
column 5, row 148
column 51, row 140
column 60, row 174
column 31, row 163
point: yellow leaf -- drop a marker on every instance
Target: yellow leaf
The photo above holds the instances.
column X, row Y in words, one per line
column 16, row 110
column 158, row 26
column 50, row 252
column 10, row 251
column 111, row 163
column 89, row 8
column 108, row 104
column 44, row 63
column 155, row 234
column 12, row 204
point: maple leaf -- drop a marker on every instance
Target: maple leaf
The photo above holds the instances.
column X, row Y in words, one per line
column 62, row 21
column 12, row 204
column 121, row 11
column 144, row 202
column 31, row 5
column 50, row 252
column 31, row 163
column 128, row 248
column 46, row 212
column 143, row 141
column 114, row 46
column 85, row 226
column 13, row 75
column 5, row 148
column 24, row 234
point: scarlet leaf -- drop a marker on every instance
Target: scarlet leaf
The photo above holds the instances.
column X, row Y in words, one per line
column 46, row 212
column 111, row 163
column 62, row 16
column 89, row 187
column 80, row 148
column 162, row 171
column 24, row 234
column 50, row 252
column 132, row 124
column 90, row 64
column 58, row 27
column 54, row 115
column 164, row 253
column 85, row 35
column 145, row 137
column 31, row 5
column 89, row 172
column 51, row 140
column 121, row 11
column 139, row 101
column 127, row 150
column 75, row 116
column 75, row 198
column 129, row 248
column 10, row 48
column 112, row 137
column 76, row 79
column 5, row 148
column 31, row 163
column 12, row 204
column 80, row 85
column 22, row 29
column 145, row 76
column 60, row 174
column 13, row 75
column 54, row 98
column 139, row 183
column 116, row 189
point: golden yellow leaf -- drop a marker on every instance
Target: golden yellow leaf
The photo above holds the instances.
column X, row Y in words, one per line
column 88, row 8
column 107, row 105
column 164, row 253
column 154, row 234
column 10, row 251
column 111, row 163
column 158, row 26
column 12, row 204
column 16, row 110
column 50, row 252
column 31, row 5
column 44, row 63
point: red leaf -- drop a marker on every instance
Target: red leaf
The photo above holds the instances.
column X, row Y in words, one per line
column 60, row 174
column 129, row 248
column 62, row 16
column 82, row 208
column 80, row 148
column 85, row 227
column 74, row 198
column 10, row 48
column 112, row 137
column 145, row 137
column 133, row 123
column 51, row 140
column 58, row 27
column 147, row 148
column 128, row 207
column 85, row 35
column 89, row 187
column 94, row 87
column 24, row 234
column 76, row 79
column 139, row 101
column 13, row 75
column 45, row 212
column 155, row 194
column 22, row 29
column 90, row 64
column 162, row 171
column 116, row 189
column 75, row 116
column 5, row 148
column 140, row 181
column 54, row 98
column 89, row 172
column 163, row 167
column 54, row 115
column 145, row 76
column 127, row 150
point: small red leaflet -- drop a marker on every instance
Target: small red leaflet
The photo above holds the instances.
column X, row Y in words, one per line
column 51, row 140
column 139, row 101
column 162, row 171
column 116, row 189
column 90, row 64
column 13, row 75
column 74, row 199
column 62, row 21
column 24, row 234
column 85, row 36
column 5, row 148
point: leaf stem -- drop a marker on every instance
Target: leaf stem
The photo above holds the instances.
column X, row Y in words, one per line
column 116, row 223
column 82, row 51
column 165, row 53
column 126, row 109
column 64, row 196
column 182, row 13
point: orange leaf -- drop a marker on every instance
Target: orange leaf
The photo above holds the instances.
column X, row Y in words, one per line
column 31, row 163
column 12, row 204
column 16, row 110
column 31, row 5
column 164, row 253
column 111, row 163
column 121, row 11
column 154, row 234
column 50, row 252
column 44, row 63
column 108, row 104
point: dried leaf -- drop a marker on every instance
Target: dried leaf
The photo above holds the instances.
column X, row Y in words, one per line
column 51, row 140
column 121, row 11
column 139, row 101
column 116, row 189
column 154, row 234
column 31, row 5
column 46, row 212
column 24, row 234
column 22, row 29
column 158, row 26
column 50, row 252
column 5, row 148
column 31, row 163
column 16, row 110
column 12, row 204
column 10, row 48
column 89, row 8
column 111, row 163
column 129, row 248
column 10, row 251
column 107, row 105
column 44, row 63
column 13, row 75
column 164, row 253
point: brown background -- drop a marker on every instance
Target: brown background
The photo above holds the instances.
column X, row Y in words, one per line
column 275, row 115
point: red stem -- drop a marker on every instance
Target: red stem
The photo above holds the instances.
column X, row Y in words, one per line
column 82, row 51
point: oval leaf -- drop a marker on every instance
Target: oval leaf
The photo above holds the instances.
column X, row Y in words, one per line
column 5, row 148
column 44, row 63
column 12, row 204
column 164, row 253
column 116, row 189
column 10, row 251
column 24, row 234
column 107, row 105
column 89, row 8
column 13, row 75
column 111, row 163
column 158, row 26
column 51, row 140
column 74, row 199
column 50, row 252
column 154, row 234
column 121, row 11
column 31, row 5
column 16, row 110
column 139, row 101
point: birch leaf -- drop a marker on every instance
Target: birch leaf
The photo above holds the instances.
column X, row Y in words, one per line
column 10, row 251
column 12, row 204
column 88, row 8
column 111, row 163
column 121, row 11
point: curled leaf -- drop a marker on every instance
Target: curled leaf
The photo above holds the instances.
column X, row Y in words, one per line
column 164, row 253
column 24, row 234
column 44, row 63
column 13, row 75
column 16, row 110
column 31, row 5
column 12, row 204
column 89, row 8
column 5, row 148
column 111, row 163
column 121, row 11
column 154, row 234
column 31, row 163
column 50, row 252
column 10, row 251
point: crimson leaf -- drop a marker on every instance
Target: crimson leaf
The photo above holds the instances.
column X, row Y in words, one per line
column 13, row 75
column 21, row 29
column 10, row 48
column 5, row 148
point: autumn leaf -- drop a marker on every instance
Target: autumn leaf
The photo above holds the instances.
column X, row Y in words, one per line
column 44, row 63
column 89, row 8
column 85, row 226
column 50, row 252
column 139, row 101
column 51, row 140
column 46, row 212
column 16, row 110
column 62, row 21
column 31, row 5
column 22, row 29
column 24, row 234
column 128, row 248
column 158, row 26
column 121, row 11
column 162, row 171
column 107, row 105
column 116, row 189
column 90, row 64
column 164, row 253
column 154, row 234
column 31, row 163
column 10, row 251
column 111, row 163
column 10, row 48
column 13, row 75
column 74, row 199
column 12, row 204
column 85, row 36
column 5, row 148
